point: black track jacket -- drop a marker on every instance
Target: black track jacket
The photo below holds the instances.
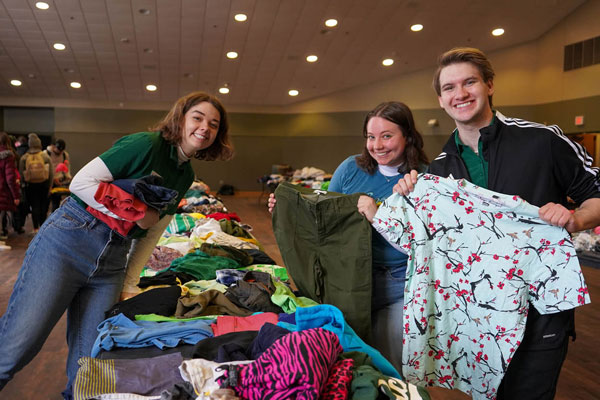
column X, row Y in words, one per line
column 539, row 164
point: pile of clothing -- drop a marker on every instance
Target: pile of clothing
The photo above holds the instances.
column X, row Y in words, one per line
column 217, row 319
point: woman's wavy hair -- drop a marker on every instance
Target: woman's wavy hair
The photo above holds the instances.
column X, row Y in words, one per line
column 171, row 126
column 398, row 113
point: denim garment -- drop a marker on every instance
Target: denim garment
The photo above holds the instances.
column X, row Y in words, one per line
column 387, row 312
column 148, row 190
column 74, row 263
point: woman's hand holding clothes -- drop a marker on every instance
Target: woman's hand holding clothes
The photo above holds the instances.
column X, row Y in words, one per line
column 406, row 184
column 271, row 203
column 367, row 207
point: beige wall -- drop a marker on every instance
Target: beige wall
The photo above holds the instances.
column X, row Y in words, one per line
column 527, row 74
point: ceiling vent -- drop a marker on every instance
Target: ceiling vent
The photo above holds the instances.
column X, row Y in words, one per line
column 582, row 54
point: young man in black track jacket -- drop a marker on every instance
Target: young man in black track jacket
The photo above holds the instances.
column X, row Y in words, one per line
column 514, row 156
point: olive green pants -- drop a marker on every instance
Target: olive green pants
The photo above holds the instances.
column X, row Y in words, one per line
column 325, row 244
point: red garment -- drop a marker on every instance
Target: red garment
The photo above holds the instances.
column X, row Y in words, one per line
column 227, row 324
column 120, row 203
column 10, row 189
column 119, row 225
column 338, row 381
column 229, row 216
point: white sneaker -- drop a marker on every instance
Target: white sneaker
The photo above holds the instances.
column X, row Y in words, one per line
column 4, row 247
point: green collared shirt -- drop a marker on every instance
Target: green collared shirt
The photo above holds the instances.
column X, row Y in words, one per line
column 476, row 164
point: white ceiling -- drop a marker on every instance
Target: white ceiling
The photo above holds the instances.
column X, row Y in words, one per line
column 114, row 50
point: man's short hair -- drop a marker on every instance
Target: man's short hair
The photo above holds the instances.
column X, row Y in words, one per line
column 462, row 55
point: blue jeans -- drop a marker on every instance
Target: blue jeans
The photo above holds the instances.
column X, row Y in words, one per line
column 387, row 311
column 74, row 263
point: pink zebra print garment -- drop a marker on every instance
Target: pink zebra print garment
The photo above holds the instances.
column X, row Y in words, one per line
column 295, row 366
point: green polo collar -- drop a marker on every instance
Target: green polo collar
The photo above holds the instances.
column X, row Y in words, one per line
column 476, row 164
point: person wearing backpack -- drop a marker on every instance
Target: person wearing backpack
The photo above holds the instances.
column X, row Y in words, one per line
column 37, row 173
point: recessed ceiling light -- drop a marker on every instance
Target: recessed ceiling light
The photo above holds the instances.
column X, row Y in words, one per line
column 16, row 82
column 232, row 54
column 224, row 90
column 387, row 62
column 42, row 5
column 331, row 22
column 498, row 32
column 59, row 46
column 151, row 88
column 293, row 92
column 312, row 58
column 240, row 17
column 416, row 28
column 75, row 85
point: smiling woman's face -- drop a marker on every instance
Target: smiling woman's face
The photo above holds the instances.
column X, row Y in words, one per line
column 385, row 141
column 200, row 127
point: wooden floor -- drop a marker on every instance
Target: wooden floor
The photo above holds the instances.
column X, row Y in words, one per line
column 44, row 377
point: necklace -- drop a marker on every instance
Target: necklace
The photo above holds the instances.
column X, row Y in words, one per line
column 388, row 172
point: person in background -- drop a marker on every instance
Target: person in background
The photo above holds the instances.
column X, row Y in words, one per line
column 393, row 146
column 77, row 261
column 516, row 157
column 61, row 165
column 21, row 145
column 57, row 153
column 10, row 190
column 37, row 173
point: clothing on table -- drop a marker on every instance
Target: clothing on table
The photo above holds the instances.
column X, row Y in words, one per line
column 219, row 216
column 473, row 266
column 162, row 301
column 226, row 324
column 265, row 338
column 326, row 246
column 161, row 258
column 201, row 265
column 167, row 277
column 210, row 302
column 147, row 376
column 295, row 366
column 254, row 292
column 370, row 384
column 331, row 318
column 120, row 331
column 214, row 249
column 549, row 168
column 259, row 257
column 337, row 386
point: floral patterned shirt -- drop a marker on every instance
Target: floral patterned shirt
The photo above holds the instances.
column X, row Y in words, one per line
column 476, row 259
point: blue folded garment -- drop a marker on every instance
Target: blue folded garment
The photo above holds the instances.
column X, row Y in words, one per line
column 149, row 190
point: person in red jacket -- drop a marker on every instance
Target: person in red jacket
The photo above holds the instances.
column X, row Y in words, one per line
column 10, row 191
